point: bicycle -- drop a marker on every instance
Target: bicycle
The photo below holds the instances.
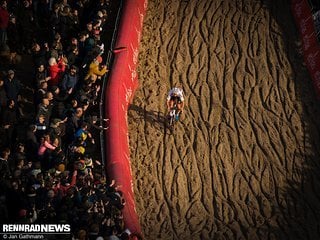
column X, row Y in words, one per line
column 174, row 115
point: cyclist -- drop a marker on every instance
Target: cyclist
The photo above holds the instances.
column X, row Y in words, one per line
column 175, row 95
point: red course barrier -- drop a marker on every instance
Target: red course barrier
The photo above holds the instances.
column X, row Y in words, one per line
column 310, row 44
column 122, row 84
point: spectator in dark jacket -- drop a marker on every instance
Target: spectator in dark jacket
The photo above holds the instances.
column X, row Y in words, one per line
column 42, row 13
column 41, row 76
column 27, row 23
column 75, row 23
column 14, row 42
column 58, row 103
column 4, row 165
column 8, row 121
column 65, row 23
column 70, row 80
column 73, row 55
column 12, row 86
column 44, row 109
column 40, row 54
column 40, row 93
column 32, row 143
column 3, row 97
column 54, row 21
column 73, row 123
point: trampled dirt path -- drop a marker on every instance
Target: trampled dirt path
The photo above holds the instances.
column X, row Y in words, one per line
column 244, row 161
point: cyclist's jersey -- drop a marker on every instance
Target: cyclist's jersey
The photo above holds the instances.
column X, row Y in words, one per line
column 177, row 91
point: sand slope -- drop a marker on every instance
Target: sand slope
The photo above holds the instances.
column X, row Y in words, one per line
column 244, row 161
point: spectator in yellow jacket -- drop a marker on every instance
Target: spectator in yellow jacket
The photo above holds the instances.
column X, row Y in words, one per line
column 96, row 68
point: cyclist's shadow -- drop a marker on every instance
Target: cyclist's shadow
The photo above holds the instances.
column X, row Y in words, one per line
column 156, row 118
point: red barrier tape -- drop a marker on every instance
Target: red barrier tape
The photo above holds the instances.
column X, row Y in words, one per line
column 122, row 84
column 310, row 44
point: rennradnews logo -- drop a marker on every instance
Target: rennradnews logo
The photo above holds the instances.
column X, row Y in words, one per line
column 35, row 228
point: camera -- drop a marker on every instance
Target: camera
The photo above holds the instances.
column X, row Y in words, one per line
column 39, row 127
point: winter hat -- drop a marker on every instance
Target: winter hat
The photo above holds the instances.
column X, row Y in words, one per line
column 99, row 59
column 22, row 212
column 61, row 167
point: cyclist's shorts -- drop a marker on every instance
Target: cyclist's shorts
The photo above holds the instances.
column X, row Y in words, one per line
column 176, row 98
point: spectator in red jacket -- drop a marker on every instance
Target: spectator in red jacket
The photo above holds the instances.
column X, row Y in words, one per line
column 56, row 70
column 4, row 21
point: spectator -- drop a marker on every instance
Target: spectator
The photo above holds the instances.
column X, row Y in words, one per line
column 14, row 41
column 41, row 126
column 65, row 23
column 9, row 120
column 58, row 103
column 46, row 191
column 41, row 76
column 56, row 50
column 49, row 96
column 19, row 154
column 82, row 46
column 4, row 165
column 4, row 21
column 27, row 23
column 28, row 26
column 96, row 68
column 54, row 21
column 40, row 93
column 44, row 109
column 93, row 120
column 64, row 185
column 83, row 134
column 73, row 123
column 73, row 55
column 57, row 129
column 74, row 23
column 32, row 143
column 13, row 35
column 88, row 93
column 70, row 80
column 42, row 12
column 40, row 54
column 56, row 70
column 96, row 29
column 3, row 207
column 89, row 29
column 64, row 4
column 45, row 144
column 72, row 42
column 58, row 39
column 89, row 47
column 114, row 234
column 12, row 86
column 3, row 96
column 45, row 151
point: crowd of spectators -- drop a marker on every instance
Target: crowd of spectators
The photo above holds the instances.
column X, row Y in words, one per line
column 51, row 173
column 315, row 5
column 315, row 10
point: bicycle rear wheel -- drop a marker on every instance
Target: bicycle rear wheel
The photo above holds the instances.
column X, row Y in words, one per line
column 172, row 117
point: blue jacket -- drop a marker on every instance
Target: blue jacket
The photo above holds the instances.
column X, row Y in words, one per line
column 69, row 81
